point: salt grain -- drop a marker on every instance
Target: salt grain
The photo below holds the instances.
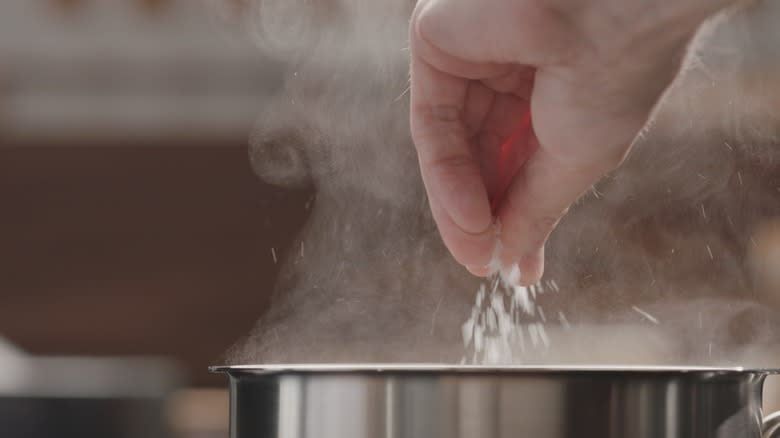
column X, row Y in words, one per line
column 273, row 254
column 543, row 335
column 650, row 317
column 563, row 320
column 541, row 313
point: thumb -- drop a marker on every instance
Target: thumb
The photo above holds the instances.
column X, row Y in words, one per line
column 495, row 31
column 537, row 199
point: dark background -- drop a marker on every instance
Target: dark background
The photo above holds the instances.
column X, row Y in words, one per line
column 131, row 223
column 159, row 250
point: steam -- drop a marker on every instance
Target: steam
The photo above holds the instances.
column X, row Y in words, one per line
column 669, row 233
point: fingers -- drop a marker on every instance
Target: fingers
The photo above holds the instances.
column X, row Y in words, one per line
column 449, row 166
column 538, row 198
column 494, row 31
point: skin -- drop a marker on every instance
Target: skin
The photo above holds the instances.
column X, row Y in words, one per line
column 589, row 73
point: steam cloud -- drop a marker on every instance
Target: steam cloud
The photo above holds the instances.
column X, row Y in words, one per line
column 670, row 232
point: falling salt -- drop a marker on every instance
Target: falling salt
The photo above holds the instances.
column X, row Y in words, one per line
column 564, row 321
column 273, row 254
column 709, row 250
column 739, row 177
column 435, row 313
column 492, row 321
column 480, row 295
column 542, row 334
column 403, row 93
column 533, row 334
column 520, row 337
column 703, row 213
column 648, row 316
column 523, row 300
column 467, row 330
column 728, row 146
column 494, row 333
column 512, row 277
column 302, row 252
column 478, row 338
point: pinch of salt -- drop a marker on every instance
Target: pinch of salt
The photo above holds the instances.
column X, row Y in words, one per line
column 512, row 276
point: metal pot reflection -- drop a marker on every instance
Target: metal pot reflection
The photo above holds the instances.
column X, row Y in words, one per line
column 432, row 401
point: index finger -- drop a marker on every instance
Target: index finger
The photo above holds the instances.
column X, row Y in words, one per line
column 450, row 170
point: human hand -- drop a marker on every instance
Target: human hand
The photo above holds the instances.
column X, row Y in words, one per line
column 520, row 106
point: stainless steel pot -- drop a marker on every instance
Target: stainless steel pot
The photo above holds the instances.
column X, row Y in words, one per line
column 432, row 401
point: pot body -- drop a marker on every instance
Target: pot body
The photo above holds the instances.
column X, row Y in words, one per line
column 475, row 402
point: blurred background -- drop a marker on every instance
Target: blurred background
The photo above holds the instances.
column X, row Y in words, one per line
column 136, row 244
column 134, row 237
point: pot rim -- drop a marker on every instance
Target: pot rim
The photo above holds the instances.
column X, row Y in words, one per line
column 371, row 368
